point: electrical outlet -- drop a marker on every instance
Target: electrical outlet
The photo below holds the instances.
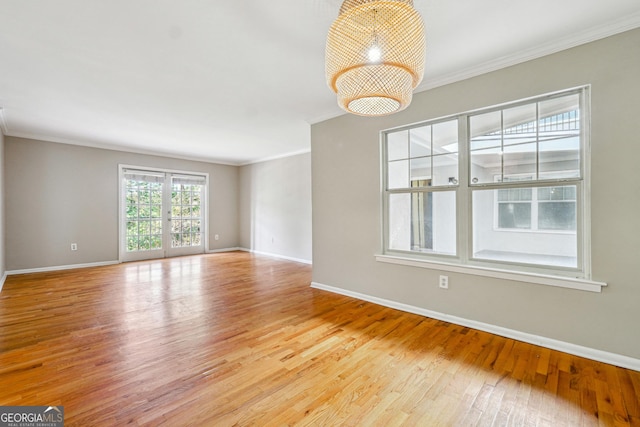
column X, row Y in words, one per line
column 444, row 282
column 74, row 246
column 216, row 237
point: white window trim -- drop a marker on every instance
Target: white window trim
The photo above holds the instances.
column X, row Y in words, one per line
column 579, row 278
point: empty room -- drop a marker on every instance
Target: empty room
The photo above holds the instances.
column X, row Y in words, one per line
column 319, row 213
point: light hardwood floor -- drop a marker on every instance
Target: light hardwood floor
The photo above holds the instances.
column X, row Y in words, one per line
column 237, row 339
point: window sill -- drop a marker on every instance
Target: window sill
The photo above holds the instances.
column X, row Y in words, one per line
column 539, row 279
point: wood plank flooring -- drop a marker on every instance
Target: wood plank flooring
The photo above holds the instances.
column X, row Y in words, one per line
column 240, row 340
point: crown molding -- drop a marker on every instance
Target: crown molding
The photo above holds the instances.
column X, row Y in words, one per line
column 114, row 147
column 605, row 30
column 279, row 156
column 602, row 31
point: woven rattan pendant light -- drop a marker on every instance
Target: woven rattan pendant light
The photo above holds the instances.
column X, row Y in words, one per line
column 375, row 55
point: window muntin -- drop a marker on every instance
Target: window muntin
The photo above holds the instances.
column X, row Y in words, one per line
column 523, row 200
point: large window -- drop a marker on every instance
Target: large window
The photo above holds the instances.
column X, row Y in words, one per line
column 503, row 186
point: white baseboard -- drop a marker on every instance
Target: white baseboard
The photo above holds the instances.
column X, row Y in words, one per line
column 217, row 251
column 4, row 277
column 577, row 350
column 61, row 267
column 288, row 258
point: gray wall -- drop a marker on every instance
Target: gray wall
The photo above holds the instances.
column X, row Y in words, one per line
column 346, row 204
column 56, row 194
column 275, row 207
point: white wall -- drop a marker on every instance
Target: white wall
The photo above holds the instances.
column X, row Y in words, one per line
column 275, row 207
column 347, row 221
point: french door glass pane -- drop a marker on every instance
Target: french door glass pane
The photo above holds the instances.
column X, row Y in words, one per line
column 143, row 202
column 186, row 200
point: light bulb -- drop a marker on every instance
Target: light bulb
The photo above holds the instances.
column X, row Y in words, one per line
column 374, row 54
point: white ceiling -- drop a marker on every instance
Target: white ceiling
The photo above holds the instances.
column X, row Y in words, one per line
column 237, row 81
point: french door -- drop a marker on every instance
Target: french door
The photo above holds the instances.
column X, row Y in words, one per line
column 162, row 214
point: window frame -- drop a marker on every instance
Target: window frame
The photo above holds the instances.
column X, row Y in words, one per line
column 464, row 189
column 450, row 186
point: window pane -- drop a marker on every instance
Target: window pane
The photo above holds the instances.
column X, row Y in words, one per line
column 156, row 196
column 132, row 228
column 420, row 169
column 519, row 124
column 486, row 130
column 420, row 141
column 570, row 192
column 423, row 222
column 132, row 196
column 515, row 195
column 557, row 208
column 156, row 242
column 144, row 227
column 514, row 215
column 500, row 231
column 132, row 243
column 445, row 137
column 557, row 216
column 398, row 174
column 520, row 159
column 156, row 227
column 398, row 145
column 560, row 158
column 400, row 221
column 156, row 211
column 445, row 169
column 485, row 165
column 560, row 113
column 559, row 125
